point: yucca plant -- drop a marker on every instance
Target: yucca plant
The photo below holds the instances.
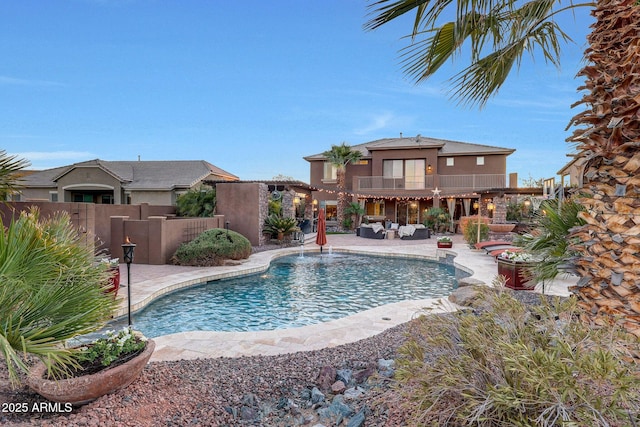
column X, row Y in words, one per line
column 51, row 290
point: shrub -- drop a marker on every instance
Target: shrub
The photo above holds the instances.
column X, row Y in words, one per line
column 471, row 232
column 200, row 202
column 212, row 248
column 508, row 364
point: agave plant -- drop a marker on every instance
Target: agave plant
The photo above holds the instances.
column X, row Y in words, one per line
column 51, row 291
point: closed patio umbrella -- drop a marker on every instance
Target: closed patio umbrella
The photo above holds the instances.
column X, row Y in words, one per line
column 321, row 237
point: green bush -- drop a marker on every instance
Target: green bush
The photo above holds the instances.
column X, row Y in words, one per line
column 507, row 364
column 212, row 248
column 471, row 232
column 200, row 202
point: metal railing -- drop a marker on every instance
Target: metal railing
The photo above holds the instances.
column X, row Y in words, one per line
column 471, row 182
column 474, row 182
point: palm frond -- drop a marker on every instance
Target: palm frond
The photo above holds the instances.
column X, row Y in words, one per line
column 51, row 290
column 497, row 33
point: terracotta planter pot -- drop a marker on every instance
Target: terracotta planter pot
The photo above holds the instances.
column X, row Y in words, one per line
column 501, row 228
column 84, row 389
column 445, row 244
column 114, row 281
column 515, row 272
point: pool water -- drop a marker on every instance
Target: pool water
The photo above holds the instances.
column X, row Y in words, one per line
column 296, row 291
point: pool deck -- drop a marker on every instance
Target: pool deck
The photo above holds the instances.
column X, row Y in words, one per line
column 151, row 281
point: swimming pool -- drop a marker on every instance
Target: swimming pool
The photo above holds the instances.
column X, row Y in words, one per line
column 296, row 291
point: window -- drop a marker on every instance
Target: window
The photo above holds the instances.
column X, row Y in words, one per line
column 330, row 172
column 392, row 168
column 53, row 196
column 331, row 210
column 374, row 208
column 480, row 160
column 449, row 161
column 414, row 174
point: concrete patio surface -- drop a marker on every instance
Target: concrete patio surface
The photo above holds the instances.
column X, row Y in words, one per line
column 152, row 281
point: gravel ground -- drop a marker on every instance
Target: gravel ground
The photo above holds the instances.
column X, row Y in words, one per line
column 259, row 390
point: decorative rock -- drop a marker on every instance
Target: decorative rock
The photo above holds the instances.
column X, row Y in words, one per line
column 467, row 296
column 358, row 419
column 386, row 364
column 353, row 393
column 326, row 377
column 344, row 375
column 361, row 376
column 248, row 414
column 338, row 387
column 316, row 395
column 469, row 281
column 339, row 407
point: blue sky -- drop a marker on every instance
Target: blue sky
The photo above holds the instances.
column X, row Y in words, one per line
column 250, row 86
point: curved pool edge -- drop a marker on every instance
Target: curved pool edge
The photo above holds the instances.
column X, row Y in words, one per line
column 212, row 344
column 189, row 345
column 145, row 292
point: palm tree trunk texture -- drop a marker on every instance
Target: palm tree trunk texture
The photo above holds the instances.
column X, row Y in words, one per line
column 608, row 138
column 342, row 195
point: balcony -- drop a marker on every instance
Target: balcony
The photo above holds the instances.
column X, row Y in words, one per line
column 443, row 182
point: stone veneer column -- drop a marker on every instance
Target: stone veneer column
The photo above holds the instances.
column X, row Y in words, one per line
column 263, row 210
column 500, row 211
column 288, row 207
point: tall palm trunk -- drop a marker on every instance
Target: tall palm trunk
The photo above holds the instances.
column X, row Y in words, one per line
column 609, row 141
column 342, row 195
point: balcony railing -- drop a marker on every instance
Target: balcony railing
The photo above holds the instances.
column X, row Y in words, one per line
column 467, row 182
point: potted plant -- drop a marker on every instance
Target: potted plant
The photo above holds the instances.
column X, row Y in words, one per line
column 515, row 266
column 102, row 367
column 276, row 225
column 445, row 242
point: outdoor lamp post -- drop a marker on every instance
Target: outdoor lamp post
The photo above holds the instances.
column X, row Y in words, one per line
column 226, row 225
column 128, row 248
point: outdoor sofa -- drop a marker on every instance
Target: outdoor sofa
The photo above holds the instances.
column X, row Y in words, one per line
column 372, row 231
column 414, row 232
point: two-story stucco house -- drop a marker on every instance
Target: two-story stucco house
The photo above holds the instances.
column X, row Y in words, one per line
column 398, row 179
column 120, row 182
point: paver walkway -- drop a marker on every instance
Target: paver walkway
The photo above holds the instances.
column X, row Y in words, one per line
column 151, row 281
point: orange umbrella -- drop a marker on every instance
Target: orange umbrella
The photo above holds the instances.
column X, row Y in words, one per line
column 321, row 237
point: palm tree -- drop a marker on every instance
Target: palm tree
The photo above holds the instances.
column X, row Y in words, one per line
column 51, row 290
column 10, row 167
column 340, row 156
column 607, row 131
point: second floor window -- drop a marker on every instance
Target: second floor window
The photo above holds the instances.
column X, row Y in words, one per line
column 392, row 168
column 329, row 172
column 480, row 160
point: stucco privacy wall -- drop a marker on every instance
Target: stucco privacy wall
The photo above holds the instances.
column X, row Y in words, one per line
column 105, row 227
column 245, row 207
column 157, row 237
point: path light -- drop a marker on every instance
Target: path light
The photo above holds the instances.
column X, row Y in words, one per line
column 226, row 225
column 128, row 249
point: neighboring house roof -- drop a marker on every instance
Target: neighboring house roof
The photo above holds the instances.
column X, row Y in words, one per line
column 576, row 162
column 140, row 175
column 445, row 147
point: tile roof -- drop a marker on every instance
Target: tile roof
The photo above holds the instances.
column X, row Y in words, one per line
column 445, row 147
column 140, row 175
